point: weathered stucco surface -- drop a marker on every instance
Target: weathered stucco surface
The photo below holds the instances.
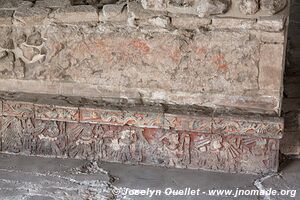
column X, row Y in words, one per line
column 186, row 84
column 125, row 51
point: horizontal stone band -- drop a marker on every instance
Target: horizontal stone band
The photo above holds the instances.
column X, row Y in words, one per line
column 208, row 121
column 132, row 145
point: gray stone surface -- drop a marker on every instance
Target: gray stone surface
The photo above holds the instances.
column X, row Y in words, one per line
column 49, row 178
column 291, row 103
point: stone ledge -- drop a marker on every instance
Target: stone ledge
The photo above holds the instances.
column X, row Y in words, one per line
column 182, row 118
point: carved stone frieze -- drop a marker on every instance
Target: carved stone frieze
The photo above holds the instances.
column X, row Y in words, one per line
column 124, row 144
column 121, row 117
column 141, row 117
column 59, row 113
column 18, row 109
column 34, row 137
column 201, row 124
column 251, row 127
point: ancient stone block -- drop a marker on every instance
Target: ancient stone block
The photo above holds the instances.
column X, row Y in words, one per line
column 114, row 13
column 137, row 16
column 75, row 14
column 190, row 22
column 136, row 11
column 52, row 3
column 270, row 37
column 153, row 4
column 274, row 24
column 212, row 7
column 249, row 7
column 270, row 65
column 233, row 23
column 30, row 16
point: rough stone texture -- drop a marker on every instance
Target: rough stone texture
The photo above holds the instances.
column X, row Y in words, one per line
column 71, row 14
column 202, row 8
column 30, row 16
column 211, row 7
column 52, row 3
column 249, row 7
column 190, row 22
column 167, row 137
column 125, row 51
column 273, row 6
column 115, row 13
column 271, row 68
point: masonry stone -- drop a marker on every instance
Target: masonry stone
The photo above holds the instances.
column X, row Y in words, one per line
column 14, row 4
column 70, row 14
column 190, row 22
column 249, row 7
column 30, row 16
column 271, row 66
column 115, row 13
column 273, row 6
column 212, row 7
column 52, row 3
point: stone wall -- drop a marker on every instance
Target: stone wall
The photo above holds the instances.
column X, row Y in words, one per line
column 180, row 83
column 212, row 53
